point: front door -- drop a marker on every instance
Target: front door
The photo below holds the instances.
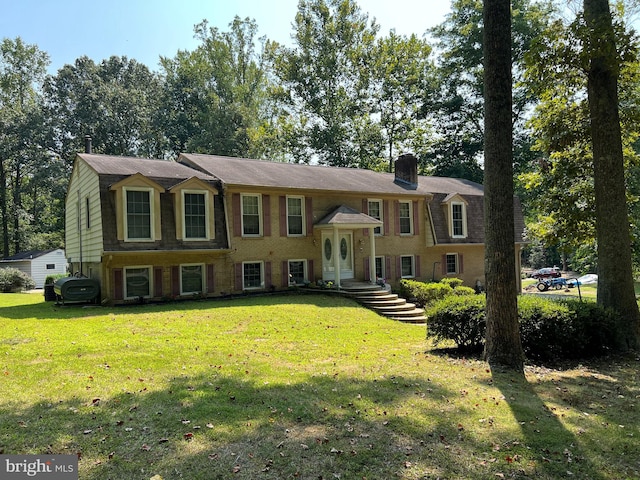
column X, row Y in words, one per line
column 344, row 252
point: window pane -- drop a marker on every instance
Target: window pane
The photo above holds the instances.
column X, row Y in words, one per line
column 252, row 275
column 407, row 266
column 191, row 278
column 405, row 218
column 138, row 214
column 375, row 212
column 194, row 215
column 379, row 268
column 137, row 282
column 456, row 214
column 250, row 215
column 296, row 272
column 294, row 215
column 452, row 264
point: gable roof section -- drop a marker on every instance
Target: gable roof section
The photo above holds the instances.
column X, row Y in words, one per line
column 344, row 216
column 260, row 173
column 126, row 166
column 29, row 255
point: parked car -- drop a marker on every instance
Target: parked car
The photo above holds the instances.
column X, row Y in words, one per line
column 547, row 272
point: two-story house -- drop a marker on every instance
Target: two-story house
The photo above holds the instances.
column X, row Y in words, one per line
column 212, row 225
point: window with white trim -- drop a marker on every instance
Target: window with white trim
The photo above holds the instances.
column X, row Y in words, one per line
column 138, row 216
column 251, row 215
column 297, row 272
column 137, row 282
column 191, row 279
column 406, row 218
column 195, row 210
column 295, row 216
column 452, row 263
column 252, row 275
column 375, row 211
column 458, row 220
column 407, row 266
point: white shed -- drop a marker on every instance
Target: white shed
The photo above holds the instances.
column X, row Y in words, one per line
column 38, row 264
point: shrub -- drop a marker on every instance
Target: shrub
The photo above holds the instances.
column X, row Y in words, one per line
column 462, row 291
column 50, row 279
column 12, row 279
column 424, row 293
column 452, row 282
column 550, row 330
column 458, row 318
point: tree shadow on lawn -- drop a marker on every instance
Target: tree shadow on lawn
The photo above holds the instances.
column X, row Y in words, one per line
column 595, row 405
column 212, row 426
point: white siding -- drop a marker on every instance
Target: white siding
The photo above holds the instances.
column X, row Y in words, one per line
column 84, row 184
column 39, row 271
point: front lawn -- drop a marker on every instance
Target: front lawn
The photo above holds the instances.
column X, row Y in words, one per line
column 295, row 387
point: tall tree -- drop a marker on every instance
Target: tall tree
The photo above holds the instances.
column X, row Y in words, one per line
column 22, row 68
column 456, row 106
column 326, row 79
column 402, row 72
column 615, row 279
column 503, row 347
column 215, row 96
column 114, row 101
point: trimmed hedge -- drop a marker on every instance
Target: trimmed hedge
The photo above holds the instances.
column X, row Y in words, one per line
column 14, row 280
column 423, row 294
column 550, row 330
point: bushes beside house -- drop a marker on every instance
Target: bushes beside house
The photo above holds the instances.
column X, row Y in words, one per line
column 550, row 330
column 424, row 294
column 14, row 280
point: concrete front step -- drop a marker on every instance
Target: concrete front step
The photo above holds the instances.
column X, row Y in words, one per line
column 385, row 303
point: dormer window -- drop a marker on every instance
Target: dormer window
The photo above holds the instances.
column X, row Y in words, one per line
column 194, row 207
column 138, row 209
column 458, row 220
column 455, row 209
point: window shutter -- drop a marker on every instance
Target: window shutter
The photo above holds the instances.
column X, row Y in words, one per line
column 157, row 282
column 460, row 267
column 266, row 215
column 175, row 280
column 283, row 216
column 396, row 208
column 308, row 205
column 267, row 274
column 310, row 276
column 238, row 276
column 416, row 219
column 398, row 267
column 365, row 210
column 443, row 262
column 118, row 287
column 236, row 214
column 417, row 272
column 387, row 266
column 285, row 274
column 210, row 278
column 385, row 220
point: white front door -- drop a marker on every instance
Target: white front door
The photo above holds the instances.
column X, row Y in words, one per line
column 344, row 252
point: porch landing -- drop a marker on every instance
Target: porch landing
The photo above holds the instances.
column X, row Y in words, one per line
column 383, row 301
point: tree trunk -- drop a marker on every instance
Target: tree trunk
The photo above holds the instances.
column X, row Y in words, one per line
column 503, row 347
column 615, row 276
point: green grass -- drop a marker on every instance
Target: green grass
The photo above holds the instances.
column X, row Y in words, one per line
column 295, row 387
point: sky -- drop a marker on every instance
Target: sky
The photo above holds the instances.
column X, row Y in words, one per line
column 144, row 30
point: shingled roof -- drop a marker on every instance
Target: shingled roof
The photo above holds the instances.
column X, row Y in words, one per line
column 259, row 173
column 124, row 166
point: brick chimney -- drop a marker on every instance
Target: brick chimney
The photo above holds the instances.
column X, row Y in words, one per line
column 406, row 168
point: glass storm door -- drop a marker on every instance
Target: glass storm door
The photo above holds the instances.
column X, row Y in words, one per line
column 344, row 252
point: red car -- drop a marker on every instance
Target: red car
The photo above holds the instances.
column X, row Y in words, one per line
column 547, row 272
